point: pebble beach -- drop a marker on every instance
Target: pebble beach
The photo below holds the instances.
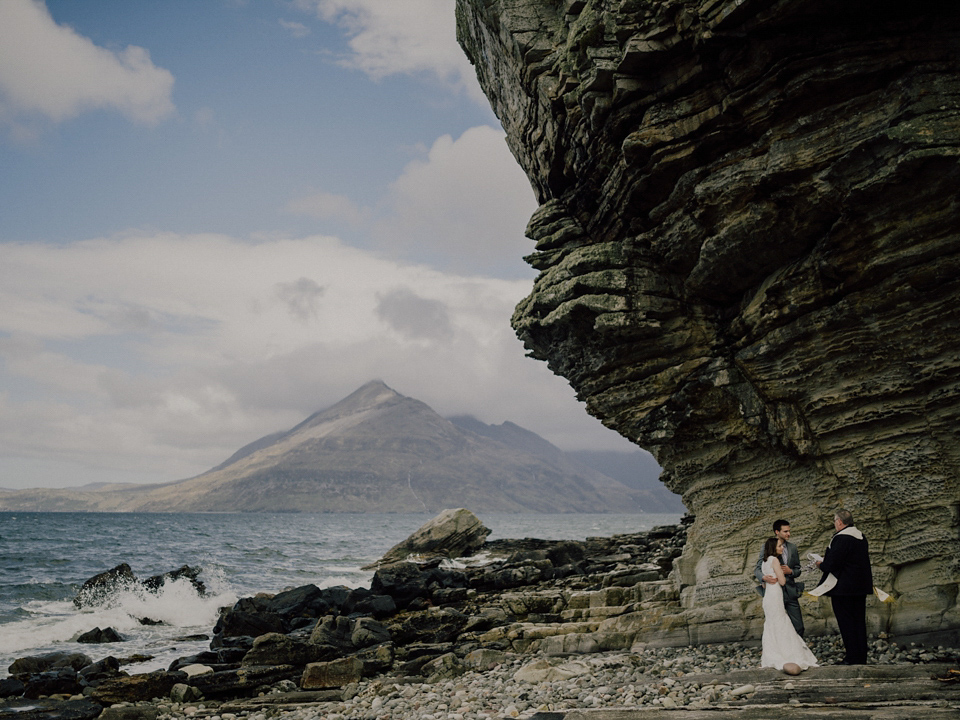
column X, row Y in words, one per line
column 523, row 685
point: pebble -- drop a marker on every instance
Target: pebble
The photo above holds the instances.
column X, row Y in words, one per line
column 652, row 677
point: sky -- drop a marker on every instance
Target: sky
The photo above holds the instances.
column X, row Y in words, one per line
column 220, row 216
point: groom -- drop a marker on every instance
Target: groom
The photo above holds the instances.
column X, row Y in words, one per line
column 790, row 564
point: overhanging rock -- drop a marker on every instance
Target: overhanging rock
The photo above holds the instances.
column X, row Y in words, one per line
column 749, row 251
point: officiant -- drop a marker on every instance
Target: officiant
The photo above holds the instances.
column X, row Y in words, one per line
column 848, row 579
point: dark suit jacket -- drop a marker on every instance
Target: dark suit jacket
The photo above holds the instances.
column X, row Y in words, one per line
column 848, row 559
column 793, row 562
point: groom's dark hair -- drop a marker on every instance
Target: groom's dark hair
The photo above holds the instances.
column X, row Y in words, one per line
column 777, row 524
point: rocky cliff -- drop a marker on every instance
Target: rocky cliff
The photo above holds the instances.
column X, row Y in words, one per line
column 748, row 242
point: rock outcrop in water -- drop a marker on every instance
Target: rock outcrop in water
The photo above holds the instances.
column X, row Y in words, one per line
column 749, row 251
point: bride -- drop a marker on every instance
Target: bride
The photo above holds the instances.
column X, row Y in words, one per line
column 782, row 647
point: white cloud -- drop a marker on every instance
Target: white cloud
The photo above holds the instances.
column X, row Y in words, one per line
column 410, row 37
column 463, row 206
column 329, row 206
column 466, row 203
column 155, row 357
column 296, row 29
column 51, row 71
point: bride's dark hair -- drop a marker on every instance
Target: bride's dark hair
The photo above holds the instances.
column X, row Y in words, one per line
column 770, row 548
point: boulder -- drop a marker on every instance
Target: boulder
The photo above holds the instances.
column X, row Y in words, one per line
column 332, row 674
column 95, row 590
column 238, row 623
column 62, row 681
column 134, row 688
column 367, row 632
column 378, row 606
column 305, row 601
column 102, row 669
column 541, row 671
column 48, row 709
column 452, row 534
column 484, row 659
column 403, row 581
column 333, row 631
column 11, row 687
column 130, row 712
column 96, row 636
column 279, row 649
column 183, row 693
column 39, row 663
column 432, row 626
column 191, row 574
column 443, row 668
column 243, row 681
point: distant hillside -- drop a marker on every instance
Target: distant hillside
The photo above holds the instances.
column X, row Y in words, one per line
column 375, row 451
column 636, row 469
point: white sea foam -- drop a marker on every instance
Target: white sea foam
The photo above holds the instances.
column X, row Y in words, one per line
column 354, row 580
column 177, row 605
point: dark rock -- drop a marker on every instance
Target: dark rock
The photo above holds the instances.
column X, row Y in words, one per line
column 445, row 579
column 61, row 681
column 134, row 688
column 156, row 582
column 377, row 658
column 337, row 596
column 95, row 636
column 49, row 710
column 39, row 663
column 403, row 581
column 447, row 596
column 566, row 553
column 232, row 655
column 306, row 601
column 244, row 681
column 367, row 632
column 95, row 590
column 278, row 649
column 378, row 606
column 183, row 693
column 435, row 625
column 238, row 623
column 11, row 687
column 334, row 631
column 101, row 670
column 356, row 596
column 209, row 657
column 238, row 643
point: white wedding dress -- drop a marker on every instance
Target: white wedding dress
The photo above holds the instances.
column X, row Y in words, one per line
column 781, row 644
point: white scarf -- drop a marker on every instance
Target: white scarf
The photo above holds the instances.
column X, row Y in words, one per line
column 830, row 581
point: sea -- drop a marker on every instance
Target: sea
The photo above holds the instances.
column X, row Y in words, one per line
column 46, row 557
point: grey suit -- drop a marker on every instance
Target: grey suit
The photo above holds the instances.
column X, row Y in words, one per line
column 791, row 590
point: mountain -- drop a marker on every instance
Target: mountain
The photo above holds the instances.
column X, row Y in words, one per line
column 374, row 451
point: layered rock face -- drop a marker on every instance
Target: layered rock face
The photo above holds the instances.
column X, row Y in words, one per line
column 749, row 247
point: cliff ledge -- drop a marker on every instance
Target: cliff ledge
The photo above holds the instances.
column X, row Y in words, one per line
column 748, row 243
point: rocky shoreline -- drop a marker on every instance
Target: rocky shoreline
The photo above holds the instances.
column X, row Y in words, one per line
column 454, row 627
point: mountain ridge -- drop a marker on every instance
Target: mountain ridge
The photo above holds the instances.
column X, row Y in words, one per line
column 375, row 451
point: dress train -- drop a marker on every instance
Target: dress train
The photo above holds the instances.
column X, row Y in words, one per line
column 780, row 643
